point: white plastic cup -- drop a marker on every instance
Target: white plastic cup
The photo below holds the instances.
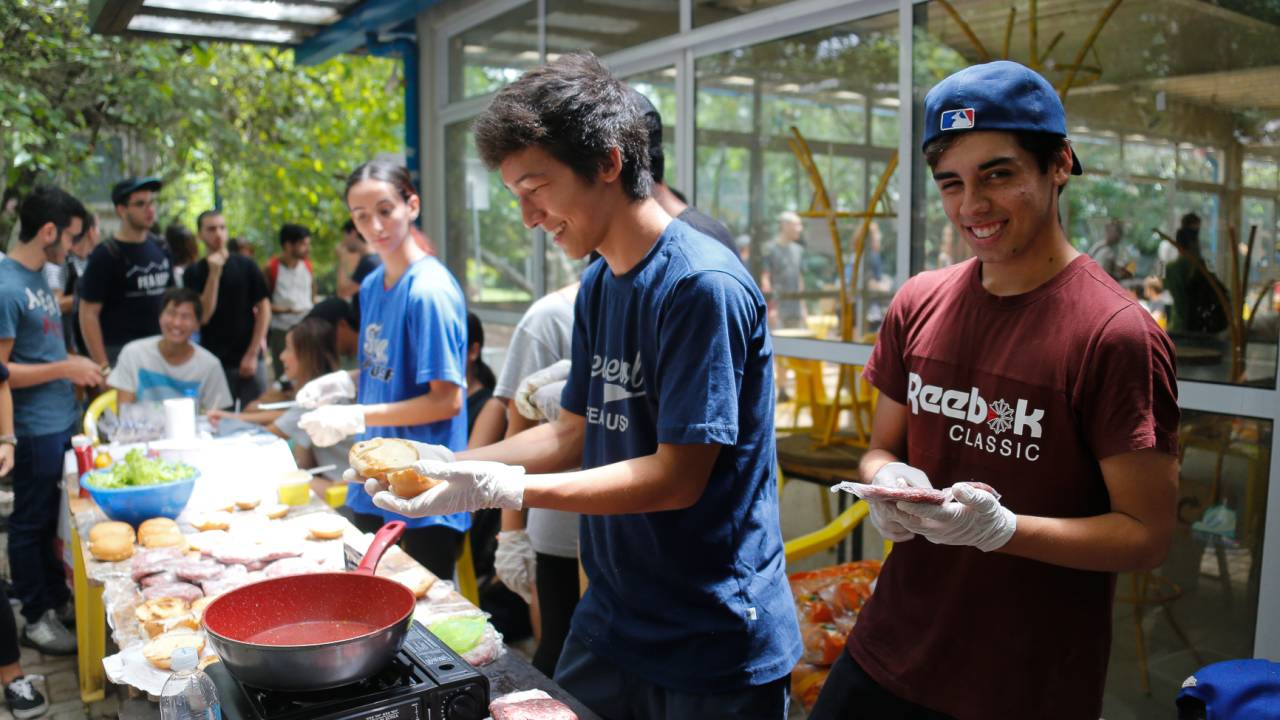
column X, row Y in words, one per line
column 180, row 419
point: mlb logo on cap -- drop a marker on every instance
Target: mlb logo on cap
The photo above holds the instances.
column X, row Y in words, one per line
column 961, row 119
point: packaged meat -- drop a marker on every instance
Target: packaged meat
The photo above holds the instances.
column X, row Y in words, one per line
column 233, row 576
column 186, row 591
column 164, row 576
column 198, row 570
column 291, row 566
column 150, row 561
column 530, row 705
column 931, row 496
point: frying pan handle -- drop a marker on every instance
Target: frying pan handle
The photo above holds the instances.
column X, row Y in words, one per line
column 387, row 536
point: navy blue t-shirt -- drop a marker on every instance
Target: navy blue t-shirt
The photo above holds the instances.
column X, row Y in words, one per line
column 676, row 351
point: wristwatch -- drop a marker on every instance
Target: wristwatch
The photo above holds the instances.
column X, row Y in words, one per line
column 9, row 440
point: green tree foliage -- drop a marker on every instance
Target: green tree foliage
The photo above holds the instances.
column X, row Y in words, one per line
column 275, row 141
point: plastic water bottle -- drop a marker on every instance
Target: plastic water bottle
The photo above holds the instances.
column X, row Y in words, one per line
column 188, row 694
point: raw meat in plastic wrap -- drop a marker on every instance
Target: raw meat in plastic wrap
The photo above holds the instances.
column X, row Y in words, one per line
column 186, row 591
column 255, row 556
column 232, row 577
column 930, row 496
column 164, row 576
column 530, row 705
column 292, row 566
column 149, row 561
column 199, row 570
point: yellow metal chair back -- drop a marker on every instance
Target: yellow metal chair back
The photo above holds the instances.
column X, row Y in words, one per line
column 108, row 399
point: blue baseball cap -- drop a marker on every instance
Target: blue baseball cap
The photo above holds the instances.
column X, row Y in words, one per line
column 1000, row 95
column 121, row 191
column 1234, row 689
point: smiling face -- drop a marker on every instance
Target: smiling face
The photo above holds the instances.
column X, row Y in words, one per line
column 996, row 196
column 178, row 322
column 573, row 212
column 381, row 214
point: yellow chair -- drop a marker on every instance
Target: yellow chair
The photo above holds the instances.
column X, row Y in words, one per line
column 108, row 399
column 829, row 535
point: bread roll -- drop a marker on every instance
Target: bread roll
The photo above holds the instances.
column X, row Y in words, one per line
column 326, row 526
column 156, row 524
column 111, row 541
column 275, row 511
column 407, row 483
column 197, row 607
column 160, row 649
column 217, row 520
column 112, row 528
column 379, row 456
column 171, row 538
column 160, row 615
column 248, row 503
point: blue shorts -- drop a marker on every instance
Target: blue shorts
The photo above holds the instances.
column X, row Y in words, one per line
column 616, row 694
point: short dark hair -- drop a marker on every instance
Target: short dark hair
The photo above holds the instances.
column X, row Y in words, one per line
column 182, row 243
column 653, row 125
column 182, row 296
column 47, row 204
column 334, row 310
column 290, row 234
column 1044, row 147
column 233, row 245
column 349, row 227
column 1190, row 218
column 577, row 111
column 207, row 213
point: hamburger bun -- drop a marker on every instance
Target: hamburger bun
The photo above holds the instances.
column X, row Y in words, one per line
column 112, row 548
column 197, row 607
column 275, row 511
column 407, row 483
column 379, row 456
column 171, row 538
column 156, row 524
column 326, row 526
column 160, row 649
column 160, row 615
column 208, row 660
column 111, row 528
column 248, row 503
column 216, row 520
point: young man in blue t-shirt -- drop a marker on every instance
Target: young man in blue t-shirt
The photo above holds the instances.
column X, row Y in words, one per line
column 668, row 409
column 45, row 411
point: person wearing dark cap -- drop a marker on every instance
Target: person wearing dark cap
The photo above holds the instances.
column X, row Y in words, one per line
column 345, row 318
column 125, row 279
column 671, row 201
column 1030, row 369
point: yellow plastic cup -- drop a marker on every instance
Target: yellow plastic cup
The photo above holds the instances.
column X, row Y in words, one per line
column 336, row 496
column 296, row 488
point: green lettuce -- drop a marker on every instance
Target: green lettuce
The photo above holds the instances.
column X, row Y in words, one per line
column 138, row 470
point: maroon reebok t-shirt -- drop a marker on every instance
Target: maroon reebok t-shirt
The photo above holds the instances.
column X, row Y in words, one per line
column 1025, row 393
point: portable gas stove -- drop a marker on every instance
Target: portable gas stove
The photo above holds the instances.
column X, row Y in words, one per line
column 426, row 681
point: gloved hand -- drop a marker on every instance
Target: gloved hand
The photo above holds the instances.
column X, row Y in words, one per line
column 515, row 563
column 466, row 486
column 975, row 517
column 426, row 451
column 329, row 424
column 885, row 515
column 547, row 400
column 326, row 390
column 525, row 402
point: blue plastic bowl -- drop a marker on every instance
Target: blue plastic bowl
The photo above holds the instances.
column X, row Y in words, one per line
column 135, row 504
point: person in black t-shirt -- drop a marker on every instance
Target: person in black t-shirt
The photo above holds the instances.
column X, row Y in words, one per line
column 237, row 309
column 126, row 276
column 673, row 202
column 360, row 258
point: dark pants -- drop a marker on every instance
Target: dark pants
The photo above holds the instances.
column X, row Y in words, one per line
column 615, row 694
column 557, row 587
column 39, row 579
column 435, row 547
column 246, row 389
column 850, row 694
column 9, row 652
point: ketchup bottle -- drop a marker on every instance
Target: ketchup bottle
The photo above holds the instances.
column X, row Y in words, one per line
column 82, row 446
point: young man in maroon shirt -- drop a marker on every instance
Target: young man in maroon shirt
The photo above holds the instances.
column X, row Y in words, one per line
column 1027, row 368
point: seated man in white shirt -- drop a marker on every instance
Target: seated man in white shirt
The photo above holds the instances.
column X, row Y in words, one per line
column 169, row 365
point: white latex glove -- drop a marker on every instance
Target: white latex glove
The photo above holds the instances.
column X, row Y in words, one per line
column 426, row 451
column 467, row 486
column 547, row 401
column 975, row 517
column 326, row 390
column 329, row 424
column 515, row 563
column 885, row 515
column 525, row 402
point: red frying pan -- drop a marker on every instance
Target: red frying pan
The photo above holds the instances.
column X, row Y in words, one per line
column 311, row 632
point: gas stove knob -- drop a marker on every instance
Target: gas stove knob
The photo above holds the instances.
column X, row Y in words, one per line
column 465, row 706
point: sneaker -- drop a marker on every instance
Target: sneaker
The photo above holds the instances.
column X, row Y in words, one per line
column 49, row 635
column 23, row 699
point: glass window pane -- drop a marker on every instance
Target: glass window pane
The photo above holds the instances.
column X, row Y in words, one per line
column 838, row 87
column 659, row 86
column 1208, row 585
column 607, row 26
column 490, row 250
column 706, row 12
column 1179, row 127
column 488, row 56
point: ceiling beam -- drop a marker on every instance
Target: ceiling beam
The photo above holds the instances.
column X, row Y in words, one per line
column 347, row 34
column 111, row 17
